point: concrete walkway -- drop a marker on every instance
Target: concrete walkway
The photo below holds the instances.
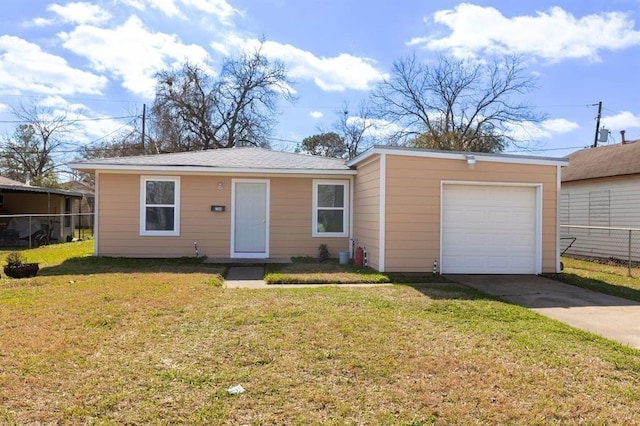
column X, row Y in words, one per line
column 609, row 316
column 245, row 277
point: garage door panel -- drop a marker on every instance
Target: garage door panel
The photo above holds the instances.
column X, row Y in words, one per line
column 488, row 229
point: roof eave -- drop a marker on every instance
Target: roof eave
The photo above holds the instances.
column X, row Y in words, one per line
column 88, row 167
column 458, row 155
column 585, row 178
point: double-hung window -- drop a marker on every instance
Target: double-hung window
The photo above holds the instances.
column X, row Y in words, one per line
column 330, row 208
column 159, row 205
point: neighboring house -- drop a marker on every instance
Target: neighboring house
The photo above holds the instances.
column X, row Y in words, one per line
column 45, row 205
column 601, row 188
column 408, row 208
column 84, row 206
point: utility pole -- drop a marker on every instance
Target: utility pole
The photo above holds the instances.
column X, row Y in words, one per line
column 144, row 119
column 595, row 139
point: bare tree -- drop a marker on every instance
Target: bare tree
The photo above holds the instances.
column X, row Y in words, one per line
column 456, row 104
column 355, row 130
column 28, row 154
column 193, row 111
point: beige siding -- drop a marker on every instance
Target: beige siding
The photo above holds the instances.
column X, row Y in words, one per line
column 413, row 205
column 290, row 227
column 291, row 220
column 366, row 205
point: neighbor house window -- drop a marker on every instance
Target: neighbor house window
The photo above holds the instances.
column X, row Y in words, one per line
column 330, row 208
column 160, row 206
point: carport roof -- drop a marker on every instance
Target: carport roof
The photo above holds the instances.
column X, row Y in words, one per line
column 9, row 185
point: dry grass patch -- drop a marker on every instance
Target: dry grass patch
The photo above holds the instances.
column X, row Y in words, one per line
column 162, row 347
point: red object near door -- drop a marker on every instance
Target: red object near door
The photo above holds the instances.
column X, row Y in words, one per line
column 359, row 260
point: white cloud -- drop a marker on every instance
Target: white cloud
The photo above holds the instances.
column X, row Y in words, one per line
column 168, row 7
column 316, row 114
column 334, row 74
column 621, row 121
column 88, row 126
column 80, row 13
column 546, row 129
column 171, row 8
column 132, row 53
column 136, row 4
column 24, row 66
column 4, row 108
column 552, row 35
column 378, row 129
column 220, row 8
column 40, row 22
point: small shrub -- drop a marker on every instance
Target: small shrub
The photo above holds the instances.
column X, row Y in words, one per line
column 14, row 259
column 323, row 252
column 215, row 281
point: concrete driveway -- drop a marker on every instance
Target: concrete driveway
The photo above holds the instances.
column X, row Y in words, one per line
column 612, row 317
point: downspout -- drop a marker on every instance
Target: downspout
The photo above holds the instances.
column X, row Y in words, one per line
column 96, row 214
column 558, row 189
column 351, row 208
column 382, row 213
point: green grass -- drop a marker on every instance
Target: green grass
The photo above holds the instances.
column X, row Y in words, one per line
column 322, row 273
column 608, row 278
column 306, row 270
column 112, row 341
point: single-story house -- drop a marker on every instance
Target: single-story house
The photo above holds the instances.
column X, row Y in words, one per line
column 601, row 189
column 45, row 206
column 407, row 208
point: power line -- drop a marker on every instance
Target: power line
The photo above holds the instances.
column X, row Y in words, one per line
column 70, row 120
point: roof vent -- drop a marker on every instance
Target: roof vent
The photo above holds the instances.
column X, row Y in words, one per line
column 623, row 140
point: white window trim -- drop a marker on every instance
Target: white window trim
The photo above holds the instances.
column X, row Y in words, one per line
column 143, row 205
column 345, row 209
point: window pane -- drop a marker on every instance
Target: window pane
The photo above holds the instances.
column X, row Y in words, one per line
column 159, row 219
column 330, row 195
column 330, row 221
column 160, row 192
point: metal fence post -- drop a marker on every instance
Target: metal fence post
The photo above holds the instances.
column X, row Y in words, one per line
column 629, row 263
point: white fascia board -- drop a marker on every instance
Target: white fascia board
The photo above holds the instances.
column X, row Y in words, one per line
column 456, row 155
column 382, row 237
column 201, row 169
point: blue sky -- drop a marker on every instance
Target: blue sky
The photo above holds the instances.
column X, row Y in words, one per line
column 96, row 60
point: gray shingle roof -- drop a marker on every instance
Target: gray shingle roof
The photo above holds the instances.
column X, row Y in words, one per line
column 604, row 161
column 234, row 158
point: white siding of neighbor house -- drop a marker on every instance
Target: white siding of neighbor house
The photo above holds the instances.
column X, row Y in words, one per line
column 607, row 202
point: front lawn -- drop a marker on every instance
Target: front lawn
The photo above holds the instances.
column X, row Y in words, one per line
column 115, row 341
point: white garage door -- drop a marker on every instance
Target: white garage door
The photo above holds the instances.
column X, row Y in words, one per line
column 489, row 229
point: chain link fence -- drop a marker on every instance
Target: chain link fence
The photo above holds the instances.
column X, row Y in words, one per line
column 33, row 230
column 601, row 243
